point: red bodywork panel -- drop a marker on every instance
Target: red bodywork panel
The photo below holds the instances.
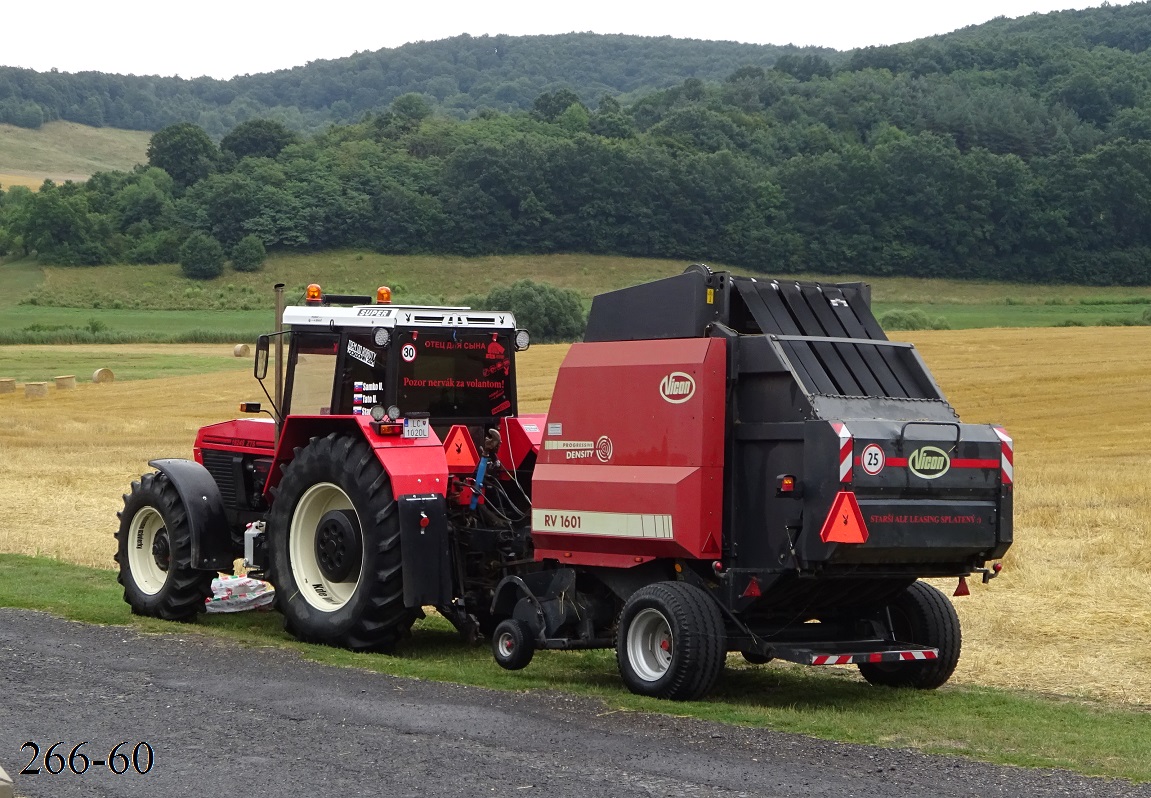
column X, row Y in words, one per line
column 242, row 435
column 520, row 437
column 631, row 466
column 415, row 465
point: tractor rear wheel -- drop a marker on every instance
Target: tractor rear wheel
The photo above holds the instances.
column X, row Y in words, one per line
column 671, row 641
column 334, row 548
column 924, row 616
column 154, row 552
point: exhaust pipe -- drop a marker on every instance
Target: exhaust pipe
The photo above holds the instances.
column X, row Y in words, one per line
column 279, row 288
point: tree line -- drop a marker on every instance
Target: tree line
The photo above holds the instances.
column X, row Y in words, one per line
column 670, row 177
column 458, row 76
column 1023, row 153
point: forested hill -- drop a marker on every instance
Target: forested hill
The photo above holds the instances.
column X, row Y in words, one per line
column 1020, row 150
column 458, row 76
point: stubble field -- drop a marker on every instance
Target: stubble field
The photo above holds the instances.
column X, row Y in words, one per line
column 1070, row 615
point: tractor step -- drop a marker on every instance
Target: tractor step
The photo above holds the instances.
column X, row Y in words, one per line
column 852, row 653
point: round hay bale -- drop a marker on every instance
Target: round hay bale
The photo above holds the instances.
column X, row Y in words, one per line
column 103, row 375
column 242, row 350
column 8, row 386
column 66, row 383
column 35, row 389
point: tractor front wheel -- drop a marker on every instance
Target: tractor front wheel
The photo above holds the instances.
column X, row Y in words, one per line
column 334, row 548
column 671, row 641
column 154, row 552
column 923, row 616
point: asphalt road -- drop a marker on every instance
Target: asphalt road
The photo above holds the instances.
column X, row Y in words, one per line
column 228, row 720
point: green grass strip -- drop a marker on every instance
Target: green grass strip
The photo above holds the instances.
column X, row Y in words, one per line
column 996, row 726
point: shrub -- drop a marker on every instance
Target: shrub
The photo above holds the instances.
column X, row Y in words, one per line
column 249, row 255
column 159, row 247
column 202, row 257
column 912, row 320
column 550, row 314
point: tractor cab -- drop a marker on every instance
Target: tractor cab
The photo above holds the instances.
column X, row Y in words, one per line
column 347, row 356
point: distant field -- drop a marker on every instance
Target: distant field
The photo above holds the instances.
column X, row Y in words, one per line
column 66, row 151
column 127, row 361
column 113, row 294
column 139, row 325
column 33, row 181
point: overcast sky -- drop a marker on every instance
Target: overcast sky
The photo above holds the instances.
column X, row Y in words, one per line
column 223, row 38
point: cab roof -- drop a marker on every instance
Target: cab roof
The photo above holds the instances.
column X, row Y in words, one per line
column 373, row 316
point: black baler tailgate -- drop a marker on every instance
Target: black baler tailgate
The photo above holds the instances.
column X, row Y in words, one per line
column 922, row 530
column 935, row 495
column 925, row 457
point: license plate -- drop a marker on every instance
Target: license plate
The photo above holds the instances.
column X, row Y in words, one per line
column 416, row 427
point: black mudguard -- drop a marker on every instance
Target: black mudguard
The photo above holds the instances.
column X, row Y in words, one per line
column 427, row 561
column 207, row 521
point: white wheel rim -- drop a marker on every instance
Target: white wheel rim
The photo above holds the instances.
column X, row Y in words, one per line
column 507, row 645
column 319, row 591
column 650, row 645
column 147, row 574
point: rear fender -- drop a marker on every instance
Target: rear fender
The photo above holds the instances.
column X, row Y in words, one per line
column 427, row 560
column 413, row 465
column 207, row 520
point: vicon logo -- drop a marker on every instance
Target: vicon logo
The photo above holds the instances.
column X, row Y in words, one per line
column 929, row 462
column 677, row 387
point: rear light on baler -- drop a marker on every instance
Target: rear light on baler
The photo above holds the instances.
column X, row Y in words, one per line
column 786, row 485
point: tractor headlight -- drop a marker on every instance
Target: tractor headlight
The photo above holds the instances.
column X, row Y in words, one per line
column 381, row 336
column 523, row 340
column 393, row 412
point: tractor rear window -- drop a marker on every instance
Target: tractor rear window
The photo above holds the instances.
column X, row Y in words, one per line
column 455, row 375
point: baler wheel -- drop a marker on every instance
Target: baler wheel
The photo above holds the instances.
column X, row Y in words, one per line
column 671, row 642
column 512, row 644
column 334, row 548
column 154, row 552
column 924, row 616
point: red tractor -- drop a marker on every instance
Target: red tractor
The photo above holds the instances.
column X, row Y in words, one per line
column 728, row 464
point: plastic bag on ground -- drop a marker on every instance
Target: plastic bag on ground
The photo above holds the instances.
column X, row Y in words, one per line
column 238, row 594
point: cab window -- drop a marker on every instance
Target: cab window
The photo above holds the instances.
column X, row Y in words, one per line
column 312, row 370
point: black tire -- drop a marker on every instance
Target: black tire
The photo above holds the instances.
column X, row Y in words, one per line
column 154, row 552
column 923, row 616
column 671, row 642
column 755, row 658
column 334, row 548
column 513, row 645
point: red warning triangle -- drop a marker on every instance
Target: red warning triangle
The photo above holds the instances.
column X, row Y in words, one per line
column 460, row 450
column 844, row 523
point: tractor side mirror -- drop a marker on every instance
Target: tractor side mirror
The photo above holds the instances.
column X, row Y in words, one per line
column 260, row 369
